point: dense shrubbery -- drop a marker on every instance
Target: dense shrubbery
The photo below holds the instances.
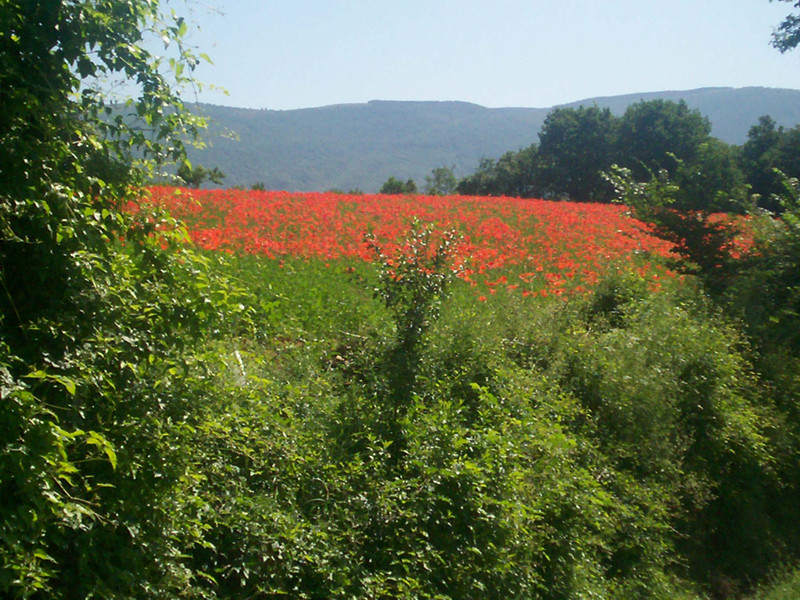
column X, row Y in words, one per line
column 620, row 445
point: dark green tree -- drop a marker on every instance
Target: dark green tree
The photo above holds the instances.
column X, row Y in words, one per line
column 758, row 156
column 768, row 293
column 194, row 177
column 787, row 35
column 770, row 147
column 575, row 147
column 396, row 186
column 712, row 180
column 704, row 244
column 513, row 175
column 653, row 133
column 94, row 311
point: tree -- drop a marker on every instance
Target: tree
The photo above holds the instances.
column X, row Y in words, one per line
column 787, row 35
column 441, row 182
column 96, row 302
column 712, row 180
column 769, row 147
column 395, row 186
column 513, row 175
column 652, row 133
column 575, row 147
column 704, row 244
column 64, row 148
column 767, row 293
column 194, row 177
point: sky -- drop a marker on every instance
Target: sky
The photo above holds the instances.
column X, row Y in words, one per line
column 288, row 54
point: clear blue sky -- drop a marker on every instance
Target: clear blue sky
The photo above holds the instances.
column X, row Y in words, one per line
column 284, row 54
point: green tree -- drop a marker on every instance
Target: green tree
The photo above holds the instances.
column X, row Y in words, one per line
column 787, row 35
column 513, row 175
column 758, row 156
column 441, row 182
column 575, row 147
column 63, row 148
column 92, row 325
column 767, row 292
column 712, row 180
column 194, row 177
column 652, row 133
column 704, row 243
column 396, row 186
column 769, row 147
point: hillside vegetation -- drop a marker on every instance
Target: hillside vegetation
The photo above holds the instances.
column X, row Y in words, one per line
column 359, row 146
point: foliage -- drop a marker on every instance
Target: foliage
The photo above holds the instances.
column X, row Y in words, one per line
column 767, row 292
column 196, row 176
column 578, row 145
column 768, row 148
column 713, row 180
column 784, row 587
column 412, row 284
column 93, row 333
column 704, row 241
column 394, row 186
column 787, row 36
column 296, row 421
column 441, row 182
column 513, row 175
column 652, row 132
column 575, row 146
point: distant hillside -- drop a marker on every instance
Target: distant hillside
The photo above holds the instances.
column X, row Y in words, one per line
column 351, row 146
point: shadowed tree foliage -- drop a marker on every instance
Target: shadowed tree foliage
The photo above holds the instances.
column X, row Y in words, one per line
column 91, row 321
column 787, row 35
column 652, row 132
column 513, row 174
column 575, row 146
column 396, row 186
column 712, row 180
column 194, row 177
column 770, row 147
column 441, row 182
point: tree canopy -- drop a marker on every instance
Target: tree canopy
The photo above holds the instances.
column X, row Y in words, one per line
column 787, row 35
column 653, row 133
column 575, row 146
column 441, row 182
column 396, row 186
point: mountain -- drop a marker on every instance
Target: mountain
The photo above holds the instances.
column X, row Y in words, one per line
column 350, row 146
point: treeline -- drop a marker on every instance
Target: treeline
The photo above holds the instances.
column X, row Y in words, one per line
column 577, row 146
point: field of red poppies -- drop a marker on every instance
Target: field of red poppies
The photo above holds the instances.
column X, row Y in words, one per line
column 533, row 247
column 547, row 408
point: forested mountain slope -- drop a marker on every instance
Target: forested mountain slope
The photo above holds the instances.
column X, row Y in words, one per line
column 360, row 145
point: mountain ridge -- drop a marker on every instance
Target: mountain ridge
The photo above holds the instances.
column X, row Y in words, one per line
column 360, row 145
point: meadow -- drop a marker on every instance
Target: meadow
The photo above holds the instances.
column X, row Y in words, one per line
column 533, row 247
column 453, row 397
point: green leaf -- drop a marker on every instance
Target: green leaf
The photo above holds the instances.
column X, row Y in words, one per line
column 96, row 439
